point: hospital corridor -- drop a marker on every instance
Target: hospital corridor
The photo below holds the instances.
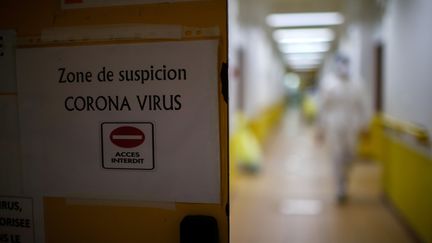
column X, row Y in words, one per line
column 330, row 121
column 293, row 198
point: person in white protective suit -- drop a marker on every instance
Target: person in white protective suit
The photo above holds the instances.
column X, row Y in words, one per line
column 343, row 115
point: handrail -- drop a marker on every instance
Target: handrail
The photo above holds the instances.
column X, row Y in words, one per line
column 419, row 132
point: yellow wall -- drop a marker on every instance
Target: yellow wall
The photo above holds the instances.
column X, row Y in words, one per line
column 105, row 221
column 407, row 176
column 249, row 137
column 263, row 124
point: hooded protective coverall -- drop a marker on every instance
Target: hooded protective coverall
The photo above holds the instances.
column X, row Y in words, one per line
column 342, row 116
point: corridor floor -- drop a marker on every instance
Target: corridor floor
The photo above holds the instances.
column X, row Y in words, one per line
column 292, row 199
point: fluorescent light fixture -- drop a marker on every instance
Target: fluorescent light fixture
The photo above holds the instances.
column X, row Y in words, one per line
column 304, row 19
column 304, row 63
column 305, row 48
column 293, row 36
column 304, row 56
column 311, row 65
column 304, row 68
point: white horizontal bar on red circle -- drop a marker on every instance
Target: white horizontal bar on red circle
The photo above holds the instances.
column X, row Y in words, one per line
column 127, row 137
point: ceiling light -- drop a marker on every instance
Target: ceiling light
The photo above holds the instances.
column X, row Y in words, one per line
column 292, row 36
column 305, row 48
column 304, row 65
column 304, row 56
column 304, row 19
column 304, row 62
column 304, row 68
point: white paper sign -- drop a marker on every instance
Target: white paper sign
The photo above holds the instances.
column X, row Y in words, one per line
column 16, row 220
column 81, row 107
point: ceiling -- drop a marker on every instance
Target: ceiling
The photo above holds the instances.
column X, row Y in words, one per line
column 254, row 13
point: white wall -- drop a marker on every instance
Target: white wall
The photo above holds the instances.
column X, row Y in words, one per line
column 263, row 70
column 263, row 73
column 408, row 61
column 359, row 38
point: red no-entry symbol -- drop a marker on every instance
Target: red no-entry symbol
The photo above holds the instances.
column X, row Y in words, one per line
column 127, row 137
